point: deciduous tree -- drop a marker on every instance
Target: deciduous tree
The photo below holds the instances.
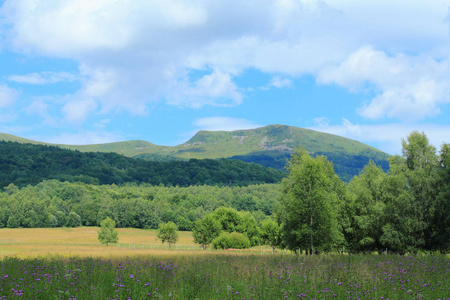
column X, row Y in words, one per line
column 108, row 234
column 205, row 230
column 307, row 211
column 168, row 232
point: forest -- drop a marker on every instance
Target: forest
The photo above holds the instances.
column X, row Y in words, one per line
column 406, row 209
column 24, row 164
column 54, row 204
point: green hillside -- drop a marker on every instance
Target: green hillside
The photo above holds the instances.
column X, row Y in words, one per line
column 274, row 138
column 128, row 148
column 12, row 138
column 269, row 146
column 225, row 144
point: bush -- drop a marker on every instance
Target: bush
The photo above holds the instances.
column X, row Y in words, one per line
column 73, row 220
column 61, row 218
column 13, row 222
column 234, row 240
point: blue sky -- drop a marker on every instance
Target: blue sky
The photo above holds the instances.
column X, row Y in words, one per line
column 96, row 71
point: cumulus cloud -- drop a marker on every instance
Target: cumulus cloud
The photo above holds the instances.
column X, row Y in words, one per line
column 409, row 88
column 224, row 123
column 132, row 53
column 215, row 89
column 386, row 137
column 7, row 96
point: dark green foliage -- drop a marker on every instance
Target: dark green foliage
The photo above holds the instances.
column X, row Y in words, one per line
column 345, row 165
column 414, row 182
column 441, row 222
column 269, row 159
column 234, row 240
column 23, row 164
column 367, row 209
column 73, row 220
column 13, row 222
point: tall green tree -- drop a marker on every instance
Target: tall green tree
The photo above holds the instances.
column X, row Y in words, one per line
column 108, row 234
column 411, row 192
column 367, row 209
column 228, row 217
column 206, row 230
column 168, row 232
column 307, row 206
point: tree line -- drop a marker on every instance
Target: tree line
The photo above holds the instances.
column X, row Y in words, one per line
column 52, row 203
column 406, row 209
column 25, row 164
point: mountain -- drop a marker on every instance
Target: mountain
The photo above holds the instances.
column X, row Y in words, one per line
column 269, row 146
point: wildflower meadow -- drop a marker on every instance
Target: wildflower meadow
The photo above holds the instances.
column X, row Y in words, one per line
column 227, row 276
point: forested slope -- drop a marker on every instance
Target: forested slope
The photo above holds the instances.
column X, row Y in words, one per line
column 269, row 146
column 23, row 164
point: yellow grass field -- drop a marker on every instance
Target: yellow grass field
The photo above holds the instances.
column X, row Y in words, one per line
column 82, row 241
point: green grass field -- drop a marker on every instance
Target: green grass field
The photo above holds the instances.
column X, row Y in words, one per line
column 71, row 264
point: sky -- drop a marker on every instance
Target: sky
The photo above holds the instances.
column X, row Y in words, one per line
column 98, row 71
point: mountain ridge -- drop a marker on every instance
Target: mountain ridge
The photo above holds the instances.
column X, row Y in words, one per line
column 270, row 146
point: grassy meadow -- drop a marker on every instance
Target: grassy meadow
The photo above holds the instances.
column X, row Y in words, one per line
column 70, row 263
column 82, row 241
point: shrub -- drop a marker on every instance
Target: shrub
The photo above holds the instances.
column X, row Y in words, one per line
column 73, row 220
column 234, row 240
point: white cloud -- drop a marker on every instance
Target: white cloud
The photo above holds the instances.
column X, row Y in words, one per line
column 132, row 53
column 43, row 78
column 224, row 123
column 76, row 111
column 387, row 137
column 409, row 88
column 7, row 96
column 68, row 28
column 278, row 82
column 215, row 89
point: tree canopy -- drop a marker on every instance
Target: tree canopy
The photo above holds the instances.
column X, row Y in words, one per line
column 308, row 203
